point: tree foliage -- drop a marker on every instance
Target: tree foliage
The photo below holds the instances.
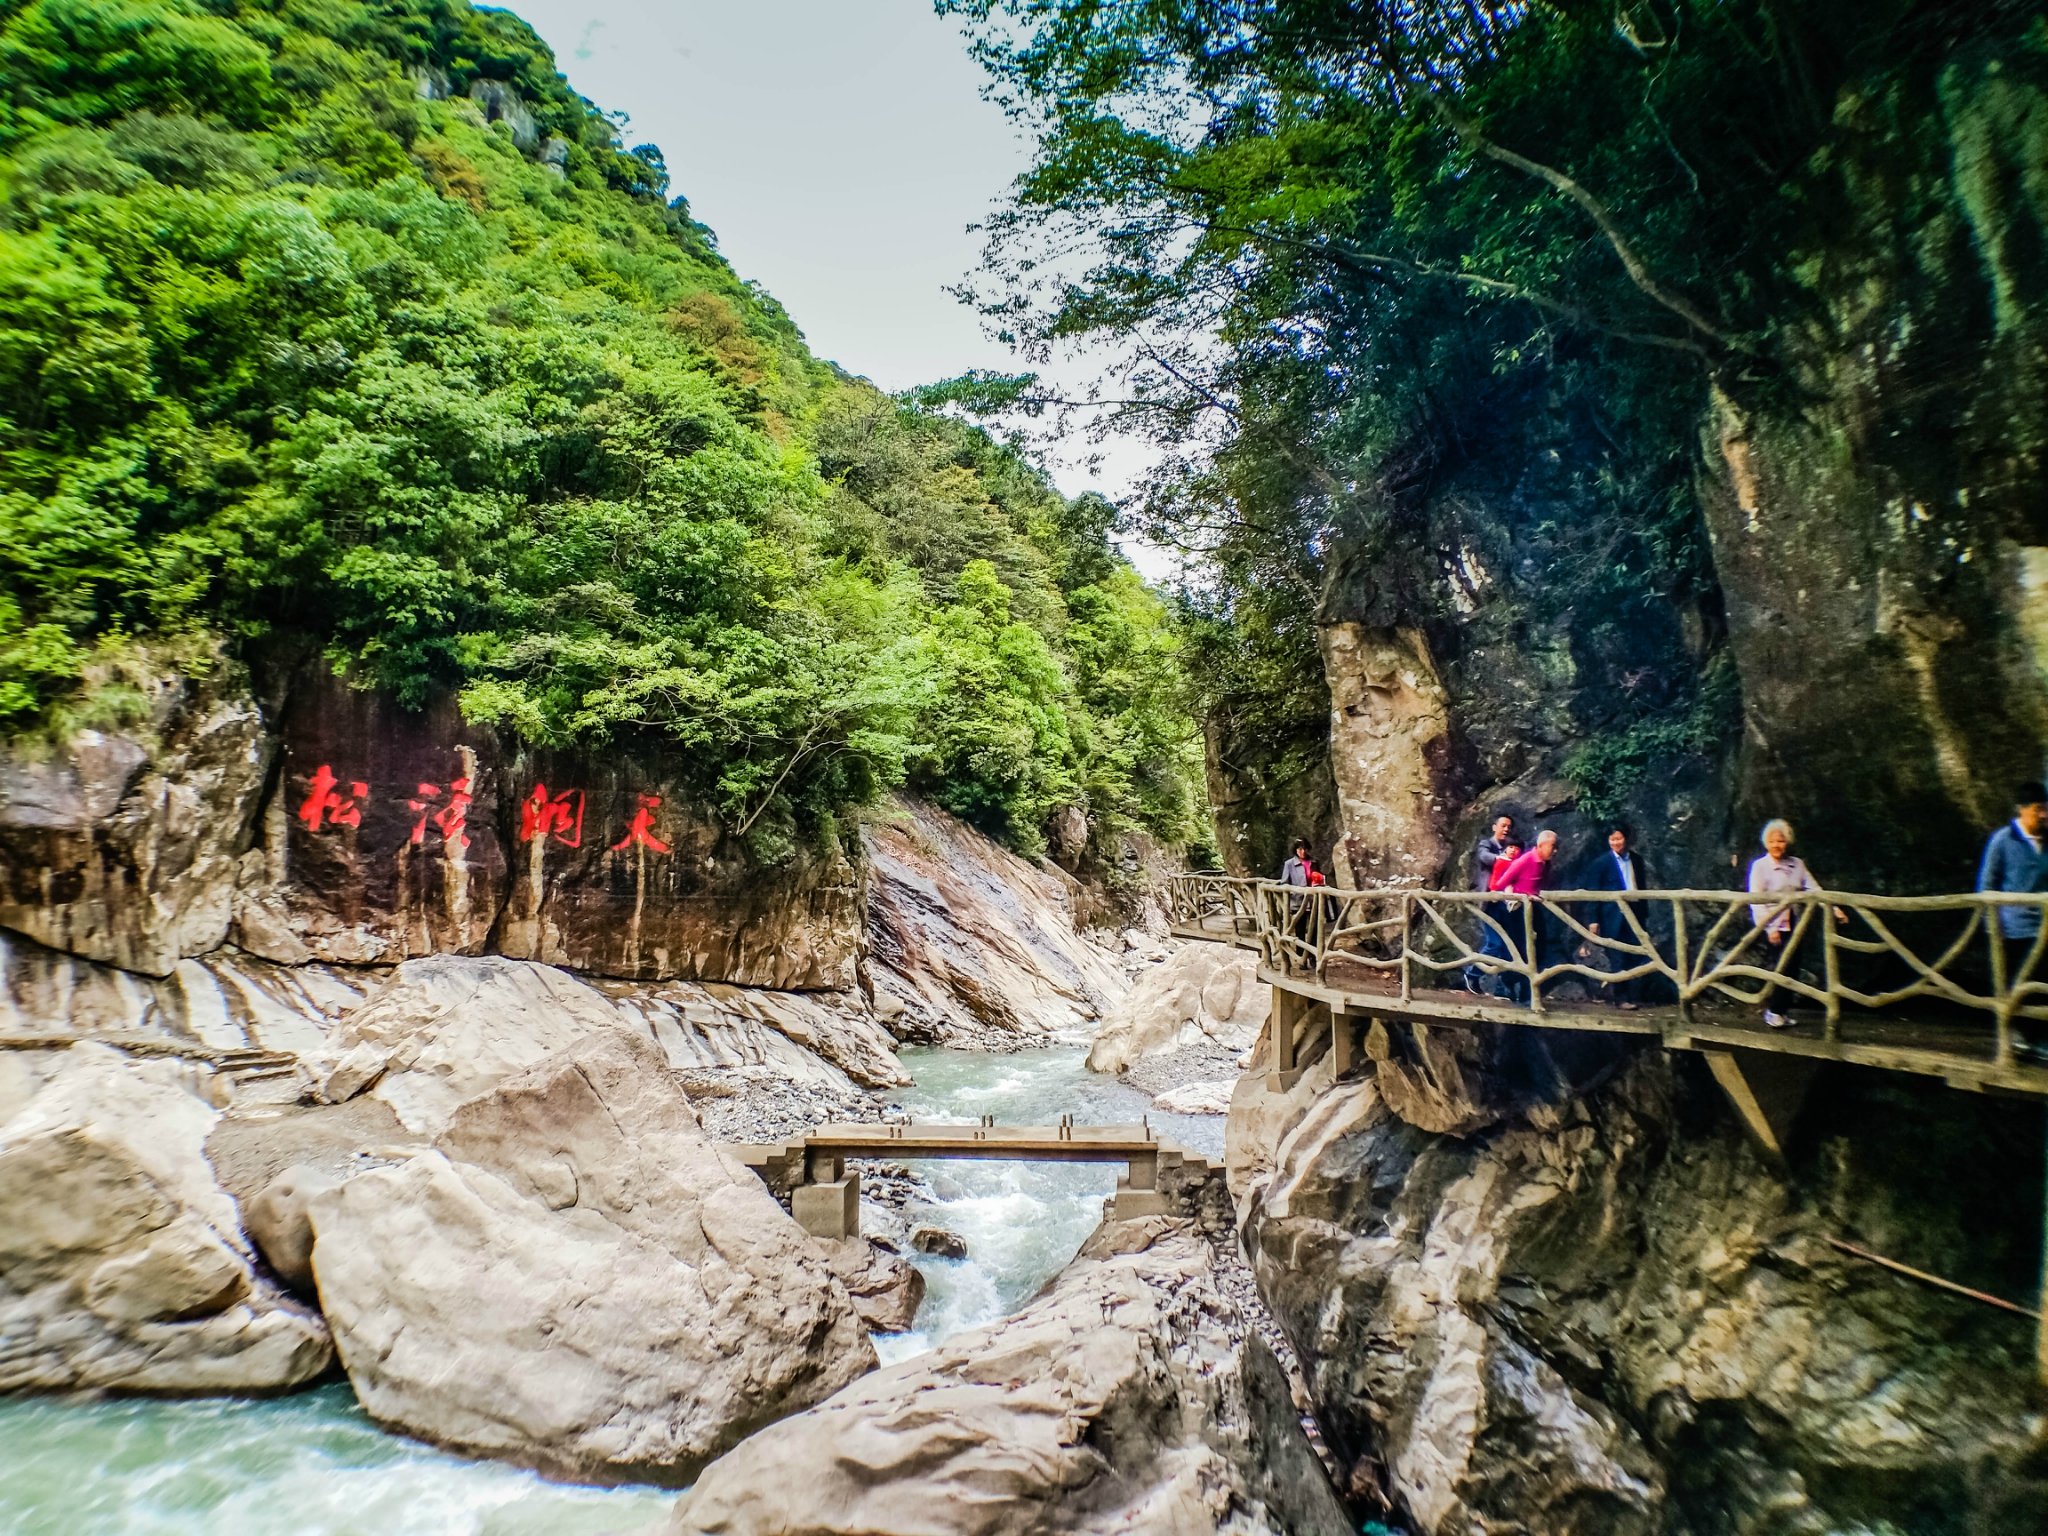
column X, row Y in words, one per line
column 348, row 322
column 1333, row 245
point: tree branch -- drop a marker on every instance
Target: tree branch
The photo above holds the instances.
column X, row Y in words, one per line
column 1632, row 262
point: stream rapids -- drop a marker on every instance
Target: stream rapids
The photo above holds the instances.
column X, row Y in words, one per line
column 313, row 1464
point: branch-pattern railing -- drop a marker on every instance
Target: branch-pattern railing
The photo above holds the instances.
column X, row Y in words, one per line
column 1835, row 949
column 1223, row 905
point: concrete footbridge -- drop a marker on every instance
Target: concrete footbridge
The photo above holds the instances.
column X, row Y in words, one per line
column 824, row 1194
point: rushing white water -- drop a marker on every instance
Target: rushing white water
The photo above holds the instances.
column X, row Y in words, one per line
column 314, row 1465
column 1022, row 1221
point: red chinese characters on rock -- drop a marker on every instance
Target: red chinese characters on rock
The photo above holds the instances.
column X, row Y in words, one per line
column 640, row 831
column 559, row 816
column 326, row 804
column 451, row 819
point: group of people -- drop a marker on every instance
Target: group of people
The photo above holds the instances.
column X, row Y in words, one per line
column 2014, row 862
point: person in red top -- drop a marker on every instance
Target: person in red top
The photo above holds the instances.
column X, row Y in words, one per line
column 1528, row 876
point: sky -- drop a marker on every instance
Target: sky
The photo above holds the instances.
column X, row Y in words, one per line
column 840, row 149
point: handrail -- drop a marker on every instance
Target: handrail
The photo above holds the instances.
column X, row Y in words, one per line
column 1838, row 949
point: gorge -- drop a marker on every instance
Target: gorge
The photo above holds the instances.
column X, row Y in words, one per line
column 495, row 729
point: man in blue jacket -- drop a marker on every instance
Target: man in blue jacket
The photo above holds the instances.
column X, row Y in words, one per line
column 2016, row 862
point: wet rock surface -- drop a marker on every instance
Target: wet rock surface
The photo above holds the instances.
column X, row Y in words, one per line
column 1121, row 1400
column 122, row 1260
column 576, row 1278
column 1609, row 1313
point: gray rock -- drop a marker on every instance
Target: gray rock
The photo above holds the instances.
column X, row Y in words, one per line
column 1205, row 994
column 1608, row 1313
column 577, row 1279
column 123, row 848
column 970, row 945
column 280, row 1224
column 1121, row 1400
column 937, row 1240
column 122, row 1263
column 886, row 1289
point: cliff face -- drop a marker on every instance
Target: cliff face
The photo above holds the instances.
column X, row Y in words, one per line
column 1813, row 587
column 250, row 876
column 1605, row 1312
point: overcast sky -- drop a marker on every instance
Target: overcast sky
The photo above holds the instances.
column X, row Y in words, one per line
column 840, row 149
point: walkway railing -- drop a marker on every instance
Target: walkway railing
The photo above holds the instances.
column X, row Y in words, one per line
column 1930, row 955
column 1221, row 906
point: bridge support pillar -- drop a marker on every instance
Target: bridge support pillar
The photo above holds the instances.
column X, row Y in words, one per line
column 830, row 1210
column 1767, row 1091
column 1291, row 1011
column 1343, row 1042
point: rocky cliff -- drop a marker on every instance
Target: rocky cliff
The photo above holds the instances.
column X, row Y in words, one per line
column 1592, row 1306
column 240, row 874
column 1807, row 583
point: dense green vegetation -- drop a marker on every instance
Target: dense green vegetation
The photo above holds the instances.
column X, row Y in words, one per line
column 347, row 322
column 1374, row 258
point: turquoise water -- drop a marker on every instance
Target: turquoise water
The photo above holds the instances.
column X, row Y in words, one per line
column 314, row 1465
column 307, row 1465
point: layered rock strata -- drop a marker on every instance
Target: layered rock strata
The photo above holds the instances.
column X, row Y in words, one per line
column 1602, row 1310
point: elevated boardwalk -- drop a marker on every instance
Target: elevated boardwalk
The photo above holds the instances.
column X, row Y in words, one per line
column 1902, row 984
column 825, row 1195
column 1924, row 985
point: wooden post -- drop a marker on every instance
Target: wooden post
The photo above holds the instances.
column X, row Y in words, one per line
column 1766, row 1090
column 2041, row 1329
column 1407, row 919
column 1681, row 955
column 1529, row 959
column 1830, row 976
column 1286, row 1014
column 2001, row 985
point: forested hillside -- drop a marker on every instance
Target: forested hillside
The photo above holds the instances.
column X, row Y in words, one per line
column 346, row 326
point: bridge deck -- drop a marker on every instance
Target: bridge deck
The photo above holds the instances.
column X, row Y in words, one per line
column 1961, row 1051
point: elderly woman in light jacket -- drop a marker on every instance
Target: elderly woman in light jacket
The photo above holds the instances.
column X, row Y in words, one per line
column 1777, row 870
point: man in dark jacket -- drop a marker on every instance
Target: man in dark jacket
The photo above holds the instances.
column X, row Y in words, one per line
column 2016, row 863
column 1620, row 868
column 1484, row 857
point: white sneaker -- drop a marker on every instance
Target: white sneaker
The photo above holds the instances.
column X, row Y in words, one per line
column 1776, row 1020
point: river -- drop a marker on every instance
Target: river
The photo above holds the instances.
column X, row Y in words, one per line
column 313, row 1464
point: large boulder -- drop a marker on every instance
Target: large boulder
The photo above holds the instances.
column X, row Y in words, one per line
column 1121, row 1400
column 122, row 846
column 970, row 945
column 1608, row 1313
column 577, row 1279
column 445, row 1029
column 1202, row 994
column 122, row 1262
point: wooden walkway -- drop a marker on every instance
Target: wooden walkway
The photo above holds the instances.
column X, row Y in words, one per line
column 1901, row 984
column 825, row 1195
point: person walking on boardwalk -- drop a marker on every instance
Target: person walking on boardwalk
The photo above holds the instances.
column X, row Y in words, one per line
column 2015, row 863
column 1299, row 870
column 1528, row 877
column 1492, row 944
column 1620, row 868
column 1778, row 870
column 1485, row 857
